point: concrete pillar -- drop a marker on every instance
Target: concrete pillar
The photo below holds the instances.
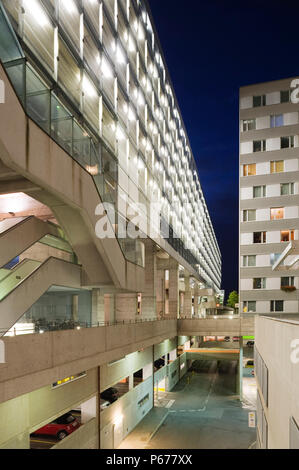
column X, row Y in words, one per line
column 109, row 307
column 125, row 306
column 98, row 306
column 187, row 296
column 240, row 370
column 195, row 303
column 173, row 288
column 149, row 301
column 75, row 307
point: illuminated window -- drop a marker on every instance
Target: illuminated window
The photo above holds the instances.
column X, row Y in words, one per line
column 249, row 170
column 277, row 166
column 287, row 235
column 277, row 213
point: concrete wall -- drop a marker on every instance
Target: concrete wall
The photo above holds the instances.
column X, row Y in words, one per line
column 59, row 354
column 273, row 340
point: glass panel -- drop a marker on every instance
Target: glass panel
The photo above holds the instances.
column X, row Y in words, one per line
column 109, row 127
column 17, row 75
column 69, row 18
column 61, row 125
column 81, row 145
column 9, row 46
column 91, row 54
column 68, row 73
column 251, row 260
column 92, row 9
column 108, row 79
column 37, row 100
column 108, row 38
column 91, row 107
column 39, row 32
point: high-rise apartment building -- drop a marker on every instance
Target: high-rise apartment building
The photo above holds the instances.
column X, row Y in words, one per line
column 269, row 188
column 105, row 236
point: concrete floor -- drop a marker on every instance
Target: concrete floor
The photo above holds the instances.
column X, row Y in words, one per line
column 205, row 414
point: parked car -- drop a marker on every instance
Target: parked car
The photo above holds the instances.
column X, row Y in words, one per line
column 250, row 344
column 235, row 338
column 111, row 394
column 61, row 427
column 104, row 404
column 249, row 364
column 227, row 339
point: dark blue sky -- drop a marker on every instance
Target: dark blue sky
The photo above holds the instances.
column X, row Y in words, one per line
column 212, row 48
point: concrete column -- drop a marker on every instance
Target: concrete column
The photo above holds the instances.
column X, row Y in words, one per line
column 173, row 288
column 109, row 307
column 196, row 301
column 149, row 301
column 240, row 371
column 75, row 307
column 125, row 306
column 98, row 306
column 188, row 296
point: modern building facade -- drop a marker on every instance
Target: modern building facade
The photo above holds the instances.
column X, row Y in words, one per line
column 105, row 236
column 276, row 369
column 269, row 174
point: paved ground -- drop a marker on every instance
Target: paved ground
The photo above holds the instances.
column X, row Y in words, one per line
column 205, row 414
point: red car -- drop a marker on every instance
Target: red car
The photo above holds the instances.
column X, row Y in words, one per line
column 60, row 428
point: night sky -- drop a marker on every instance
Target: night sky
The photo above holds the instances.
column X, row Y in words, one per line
column 212, row 48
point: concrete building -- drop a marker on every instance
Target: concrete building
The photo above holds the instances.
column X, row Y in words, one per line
column 276, row 369
column 105, row 237
column 269, row 174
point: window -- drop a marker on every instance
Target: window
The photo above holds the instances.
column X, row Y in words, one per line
column 259, row 237
column 249, row 125
column 259, row 283
column 274, row 257
column 286, row 189
column 287, row 235
column 259, row 145
column 249, row 170
column 249, row 260
column 276, row 305
column 259, row 101
column 287, row 142
column 285, row 96
column 277, row 213
column 249, row 215
column 259, row 191
column 277, row 166
column 249, row 306
column 276, row 120
column 287, row 281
